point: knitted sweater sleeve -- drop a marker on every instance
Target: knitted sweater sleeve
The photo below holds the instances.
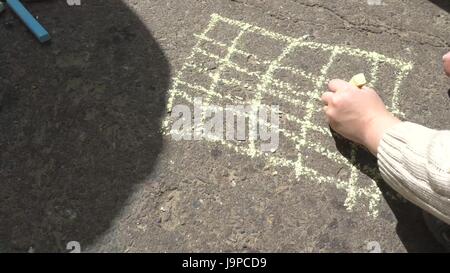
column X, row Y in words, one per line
column 415, row 161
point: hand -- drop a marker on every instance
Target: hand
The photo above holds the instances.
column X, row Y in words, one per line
column 357, row 114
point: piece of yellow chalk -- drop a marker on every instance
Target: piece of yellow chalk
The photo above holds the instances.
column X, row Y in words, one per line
column 358, row 80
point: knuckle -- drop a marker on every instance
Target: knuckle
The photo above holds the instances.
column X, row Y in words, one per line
column 329, row 113
column 337, row 100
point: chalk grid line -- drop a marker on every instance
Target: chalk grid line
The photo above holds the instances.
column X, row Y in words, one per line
column 288, row 93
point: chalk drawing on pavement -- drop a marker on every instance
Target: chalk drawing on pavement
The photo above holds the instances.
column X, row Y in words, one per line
column 229, row 55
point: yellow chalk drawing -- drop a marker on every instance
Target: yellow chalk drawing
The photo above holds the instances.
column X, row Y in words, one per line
column 263, row 84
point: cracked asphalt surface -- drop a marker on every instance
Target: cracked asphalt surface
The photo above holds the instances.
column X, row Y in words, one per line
column 83, row 157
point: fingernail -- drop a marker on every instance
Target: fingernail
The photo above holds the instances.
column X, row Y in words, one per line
column 446, row 57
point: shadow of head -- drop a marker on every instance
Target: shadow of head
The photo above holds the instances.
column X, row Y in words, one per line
column 443, row 4
column 411, row 227
column 80, row 121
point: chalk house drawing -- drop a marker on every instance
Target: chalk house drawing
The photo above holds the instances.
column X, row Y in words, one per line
column 229, row 65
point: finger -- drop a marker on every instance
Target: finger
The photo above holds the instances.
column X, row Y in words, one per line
column 325, row 110
column 339, row 85
column 326, row 97
column 328, row 115
column 446, row 60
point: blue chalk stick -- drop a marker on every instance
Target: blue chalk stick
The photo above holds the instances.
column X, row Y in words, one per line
column 33, row 25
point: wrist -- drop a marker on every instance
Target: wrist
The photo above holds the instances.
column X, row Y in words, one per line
column 376, row 129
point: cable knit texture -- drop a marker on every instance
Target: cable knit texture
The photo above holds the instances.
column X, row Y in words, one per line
column 415, row 161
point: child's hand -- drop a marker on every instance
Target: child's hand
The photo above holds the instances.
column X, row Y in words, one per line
column 357, row 114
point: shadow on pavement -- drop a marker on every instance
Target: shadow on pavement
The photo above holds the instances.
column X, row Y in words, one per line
column 80, row 121
column 443, row 4
column 411, row 227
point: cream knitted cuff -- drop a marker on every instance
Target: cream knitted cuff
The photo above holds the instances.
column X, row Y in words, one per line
column 415, row 160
